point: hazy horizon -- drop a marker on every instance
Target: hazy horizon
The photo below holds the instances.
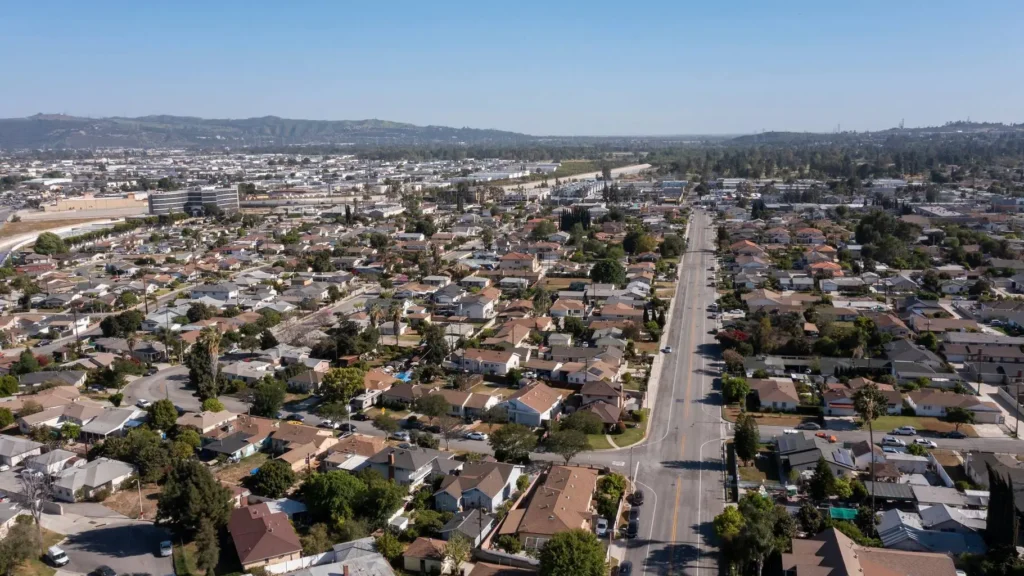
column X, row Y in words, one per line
column 571, row 69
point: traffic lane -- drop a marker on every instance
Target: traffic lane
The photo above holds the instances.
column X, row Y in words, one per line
column 127, row 547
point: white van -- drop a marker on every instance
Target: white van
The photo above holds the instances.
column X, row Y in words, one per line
column 56, row 556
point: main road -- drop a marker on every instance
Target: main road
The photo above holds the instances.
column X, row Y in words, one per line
column 679, row 467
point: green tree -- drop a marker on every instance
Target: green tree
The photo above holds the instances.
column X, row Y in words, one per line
column 608, row 272
column 823, row 481
column 69, row 431
column 342, row 384
column 333, row 497
column 729, row 524
column 385, row 422
column 734, row 389
column 567, row 443
column 21, row 544
column 8, row 385
column 212, row 405
column 513, row 443
column 870, row 404
column 575, row 552
column 509, row 543
column 26, row 364
column 207, row 546
column 809, row 518
column 49, row 243
column 190, row 437
column 267, row 339
column 267, row 397
column 958, row 416
column 273, row 479
column 317, row 540
column 389, row 546
column 456, row 551
column 6, row 417
column 435, row 345
column 433, row 406
column 192, row 494
column 748, row 438
column 163, row 415
column 583, row 421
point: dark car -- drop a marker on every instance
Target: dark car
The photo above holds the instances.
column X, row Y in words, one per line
column 956, row 435
column 347, row 427
column 808, row 426
column 296, row 417
column 638, row 498
column 103, row 571
column 626, row 568
column 632, row 529
column 360, row 416
column 634, row 514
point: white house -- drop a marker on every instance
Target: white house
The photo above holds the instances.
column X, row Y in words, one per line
column 75, row 484
column 534, row 405
column 479, row 485
column 479, row 361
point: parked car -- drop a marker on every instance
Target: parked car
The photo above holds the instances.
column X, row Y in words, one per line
column 634, row 513
column 925, row 442
column 400, row 435
column 296, row 417
column 56, row 556
column 667, row 349
column 103, row 571
column 956, row 435
column 602, row 527
column 633, row 529
column 347, row 427
column 626, row 568
column 891, row 450
column 143, row 403
column 790, row 431
column 808, row 426
column 360, row 417
column 326, row 423
column 476, row 436
column 638, row 498
column 166, row 548
column 893, row 441
column 904, row 431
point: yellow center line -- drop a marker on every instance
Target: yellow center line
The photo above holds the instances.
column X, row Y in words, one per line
column 675, row 508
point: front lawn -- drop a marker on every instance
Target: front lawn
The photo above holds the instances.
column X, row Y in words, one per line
column 732, row 411
column 598, row 442
column 921, row 423
column 633, row 435
column 38, row 566
column 235, row 473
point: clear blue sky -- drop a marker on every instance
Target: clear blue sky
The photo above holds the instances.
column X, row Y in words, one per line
column 595, row 67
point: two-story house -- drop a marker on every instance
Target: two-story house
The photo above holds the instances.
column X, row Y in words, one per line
column 413, row 466
column 534, row 404
column 478, row 485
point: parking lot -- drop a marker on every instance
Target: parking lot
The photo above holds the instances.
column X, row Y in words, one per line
column 127, row 546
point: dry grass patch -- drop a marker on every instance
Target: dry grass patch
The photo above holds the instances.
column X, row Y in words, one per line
column 126, row 502
column 234, row 473
column 10, row 229
column 731, row 412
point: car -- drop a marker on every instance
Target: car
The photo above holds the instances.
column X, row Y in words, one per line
column 925, row 442
column 790, row 431
column 103, row 571
column 634, row 513
column 904, row 431
column 626, row 568
column 347, row 427
column 713, row 331
column 633, row 529
column 602, row 527
column 956, row 435
column 893, row 441
column 405, row 445
column 476, row 436
column 152, row 370
column 360, row 417
column 890, row 450
column 326, row 423
column 143, row 403
column 737, row 311
column 809, row 426
column 56, row 556
column 296, row 417
column 638, row 498
column 400, row 435
column 166, row 548
column 667, row 349
column 5, row 467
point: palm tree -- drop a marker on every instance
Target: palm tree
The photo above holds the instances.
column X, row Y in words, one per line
column 870, row 403
column 210, row 337
column 395, row 313
column 375, row 316
column 130, row 341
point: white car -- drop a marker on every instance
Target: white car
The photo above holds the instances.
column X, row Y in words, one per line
column 476, row 435
column 400, row 435
column 905, row 431
column 166, row 548
column 790, row 431
column 602, row 527
column 925, row 442
column 143, row 403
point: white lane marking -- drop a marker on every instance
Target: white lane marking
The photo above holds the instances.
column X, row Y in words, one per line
column 650, row 533
column 700, row 492
column 618, row 463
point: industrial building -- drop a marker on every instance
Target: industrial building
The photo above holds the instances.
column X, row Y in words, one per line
column 192, row 201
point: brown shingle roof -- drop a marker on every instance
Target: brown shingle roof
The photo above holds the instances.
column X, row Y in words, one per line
column 538, row 396
column 260, row 535
column 562, row 502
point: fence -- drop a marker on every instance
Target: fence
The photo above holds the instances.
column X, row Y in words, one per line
column 304, row 562
column 940, row 471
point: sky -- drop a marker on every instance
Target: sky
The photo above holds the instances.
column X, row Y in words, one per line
column 546, row 68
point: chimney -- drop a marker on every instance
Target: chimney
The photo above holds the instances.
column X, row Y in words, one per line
column 344, row 570
column 391, row 466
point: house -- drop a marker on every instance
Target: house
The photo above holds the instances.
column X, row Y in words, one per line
column 479, row 361
column 478, row 485
column 519, row 262
column 602, row 390
column 533, row 405
column 263, row 538
column 775, row 393
column 352, row 451
column 932, row 402
column 466, row 404
column 54, row 461
column 938, row 529
column 308, row 381
column 567, row 307
column 474, row 525
column 240, row 438
column 13, row 450
column 111, row 422
column 206, row 421
column 222, row 292
column 832, row 552
column 412, row 466
column 74, row 484
column 562, row 502
column 426, row 555
column 838, row 398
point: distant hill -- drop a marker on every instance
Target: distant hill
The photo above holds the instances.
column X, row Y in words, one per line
column 950, row 128
column 59, row 131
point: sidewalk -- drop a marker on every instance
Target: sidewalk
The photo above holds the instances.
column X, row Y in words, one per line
column 991, row 393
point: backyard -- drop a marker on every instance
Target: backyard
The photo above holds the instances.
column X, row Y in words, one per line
column 235, row 473
column 126, row 501
column 762, row 469
column 732, row 411
column 38, row 566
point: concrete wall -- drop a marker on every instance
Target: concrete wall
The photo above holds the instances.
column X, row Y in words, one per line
column 87, row 203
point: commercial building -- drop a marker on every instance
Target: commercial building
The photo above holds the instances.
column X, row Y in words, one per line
column 193, row 201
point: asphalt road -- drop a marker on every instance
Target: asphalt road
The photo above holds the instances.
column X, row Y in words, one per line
column 127, row 546
column 679, row 468
column 1005, row 445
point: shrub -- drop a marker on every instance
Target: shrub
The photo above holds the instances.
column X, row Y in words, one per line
column 100, row 495
column 509, row 543
column 522, row 483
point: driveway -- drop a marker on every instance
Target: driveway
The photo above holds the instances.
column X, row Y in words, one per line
column 127, row 546
column 172, row 384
